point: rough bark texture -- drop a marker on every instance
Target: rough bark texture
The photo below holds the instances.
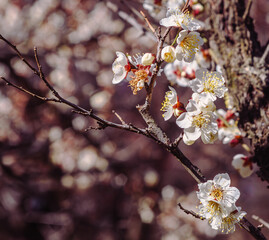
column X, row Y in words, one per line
column 236, row 49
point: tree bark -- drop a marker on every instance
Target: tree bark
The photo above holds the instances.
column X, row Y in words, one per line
column 244, row 63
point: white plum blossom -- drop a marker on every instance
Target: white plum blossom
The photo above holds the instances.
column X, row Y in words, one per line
column 230, row 134
column 120, row 68
column 220, row 217
column 197, row 8
column 168, row 54
column 188, row 44
column 228, row 130
column 204, row 102
column 217, row 200
column 175, row 4
column 156, row 8
column 211, row 83
column 135, row 69
column 243, row 165
column 218, row 190
column 176, row 18
column 198, row 123
column 203, row 58
column 180, row 72
column 171, row 105
column 227, row 224
column 141, row 73
column 148, row 59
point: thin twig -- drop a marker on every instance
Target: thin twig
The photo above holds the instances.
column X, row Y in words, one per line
column 147, row 21
column 19, row 54
column 119, row 117
column 247, row 11
column 190, row 212
column 185, row 7
column 266, row 52
column 177, row 140
column 266, row 224
column 28, row 92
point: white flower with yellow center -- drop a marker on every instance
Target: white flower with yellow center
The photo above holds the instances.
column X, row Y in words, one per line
column 176, row 18
column 220, row 217
column 204, row 102
column 243, row 165
column 219, row 191
column 120, row 68
column 188, row 44
column 213, row 212
column 211, row 83
column 171, row 105
column 198, row 123
column 168, row 54
column 227, row 224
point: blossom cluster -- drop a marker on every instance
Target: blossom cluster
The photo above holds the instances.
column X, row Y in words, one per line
column 137, row 70
column 198, row 119
column 229, row 133
column 217, row 200
column 157, row 8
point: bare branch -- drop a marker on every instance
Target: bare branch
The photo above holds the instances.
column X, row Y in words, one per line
column 265, row 54
column 119, row 117
column 190, row 212
column 19, row 54
column 28, row 92
column 263, row 222
column 147, row 21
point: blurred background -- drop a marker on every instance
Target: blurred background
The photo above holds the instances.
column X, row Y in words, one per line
column 60, row 182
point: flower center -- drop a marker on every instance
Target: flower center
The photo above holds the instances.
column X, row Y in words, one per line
column 168, row 56
column 213, row 208
column 217, row 194
column 212, row 82
column 138, row 80
column 166, row 103
column 227, row 224
column 200, row 120
column 186, row 18
column 190, row 44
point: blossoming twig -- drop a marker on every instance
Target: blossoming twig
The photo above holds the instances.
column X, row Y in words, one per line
column 153, row 131
column 119, row 117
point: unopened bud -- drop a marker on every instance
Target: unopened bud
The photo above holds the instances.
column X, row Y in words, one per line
column 168, row 54
column 148, row 59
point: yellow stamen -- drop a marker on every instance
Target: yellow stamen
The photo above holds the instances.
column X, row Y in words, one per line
column 166, row 103
column 217, row 194
column 140, row 76
column 190, row 45
column 212, row 82
column 201, row 120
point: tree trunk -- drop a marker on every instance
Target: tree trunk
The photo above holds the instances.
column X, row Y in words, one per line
column 236, row 49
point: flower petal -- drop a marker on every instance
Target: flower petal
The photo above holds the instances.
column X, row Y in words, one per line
column 222, row 180
column 184, row 120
